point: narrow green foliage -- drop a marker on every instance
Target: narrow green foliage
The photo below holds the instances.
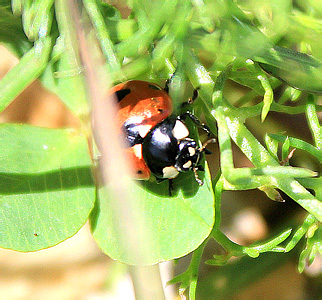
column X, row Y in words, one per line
column 30, row 67
column 272, row 146
column 268, row 96
column 233, row 249
column 188, row 279
column 300, row 232
column 37, row 18
column 313, row 247
column 285, row 149
column 103, row 35
column 312, row 117
column 299, row 144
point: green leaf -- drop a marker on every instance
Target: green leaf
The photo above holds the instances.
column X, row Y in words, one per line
column 189, row 278
column 46, row 187
column 11, row 32
column 177, row 225
column 297, row 69
column 37, row 19
column 285, row 149
column 272, row 146
column 300, row 232
column 67, row 81
column 248, row 79
column 268, row 96
column 313, row 247
column 313, row 122
column 31, row 65
column 104, row 38
column 299, row 144
column 64, row 73
column 271, row 245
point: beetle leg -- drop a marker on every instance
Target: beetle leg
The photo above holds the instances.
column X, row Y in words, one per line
column 170, row 187
column 200, row 182
column 159, row 180
column 203, row 148
column 200, row 168
column 195, row 120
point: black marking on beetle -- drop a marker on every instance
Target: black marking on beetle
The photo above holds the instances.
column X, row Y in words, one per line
column 122, row 94
column 132, row 133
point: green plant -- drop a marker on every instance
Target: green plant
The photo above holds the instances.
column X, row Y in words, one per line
column 47, row 189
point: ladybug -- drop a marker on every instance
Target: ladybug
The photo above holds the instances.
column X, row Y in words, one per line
column 158, row 141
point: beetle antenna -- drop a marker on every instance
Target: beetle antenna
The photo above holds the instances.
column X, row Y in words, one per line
column 195, row 120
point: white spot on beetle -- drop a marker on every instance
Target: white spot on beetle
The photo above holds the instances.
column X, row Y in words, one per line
column 180, row 130
column 187, row 165
column 192, row 151
column 170, row 172
column 137, row 149
column 143, row 130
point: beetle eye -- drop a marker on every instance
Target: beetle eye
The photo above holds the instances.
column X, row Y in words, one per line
column 154, row 87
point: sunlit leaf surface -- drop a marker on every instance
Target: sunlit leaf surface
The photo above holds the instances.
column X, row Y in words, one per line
column 46, row 188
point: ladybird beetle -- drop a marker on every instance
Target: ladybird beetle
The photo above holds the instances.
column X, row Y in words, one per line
column 158, row 141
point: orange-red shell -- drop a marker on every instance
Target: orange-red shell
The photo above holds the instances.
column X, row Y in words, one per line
column 146, row 104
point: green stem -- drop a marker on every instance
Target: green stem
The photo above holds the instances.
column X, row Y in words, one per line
column 42, row 20
column 30, row 67
column 255, row 110
column 313, row 121
column 103, row 35
column 302, row 230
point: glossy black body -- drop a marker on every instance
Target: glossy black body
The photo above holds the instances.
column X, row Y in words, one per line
column 160, row 148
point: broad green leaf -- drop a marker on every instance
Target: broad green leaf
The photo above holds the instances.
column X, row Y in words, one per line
column 177, row 224
column 46, row 187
